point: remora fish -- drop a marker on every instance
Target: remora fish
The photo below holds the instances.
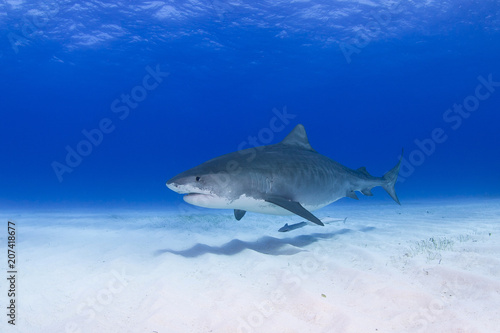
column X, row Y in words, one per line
column 287, row 227
column 289, row 177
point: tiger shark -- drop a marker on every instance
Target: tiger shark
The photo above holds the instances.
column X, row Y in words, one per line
column 288, row 177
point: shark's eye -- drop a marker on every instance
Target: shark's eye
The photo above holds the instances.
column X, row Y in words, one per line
column 198, row 178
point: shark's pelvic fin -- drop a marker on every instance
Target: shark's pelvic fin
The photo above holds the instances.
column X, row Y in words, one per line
column 351, row 195
column 294, row 207
column 238, row 214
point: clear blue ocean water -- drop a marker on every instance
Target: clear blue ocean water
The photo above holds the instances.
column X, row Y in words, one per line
column 103, row 102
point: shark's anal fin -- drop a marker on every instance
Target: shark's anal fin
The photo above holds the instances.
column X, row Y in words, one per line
column 294, row 207
column 367, row 192
column 238, row 214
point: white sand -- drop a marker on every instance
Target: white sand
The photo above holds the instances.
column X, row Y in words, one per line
column 419, row 267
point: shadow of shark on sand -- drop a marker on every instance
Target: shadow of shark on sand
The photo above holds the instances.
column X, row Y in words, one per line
column 266, row 245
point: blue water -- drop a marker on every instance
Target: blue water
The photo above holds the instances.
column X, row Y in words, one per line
column 365, row 78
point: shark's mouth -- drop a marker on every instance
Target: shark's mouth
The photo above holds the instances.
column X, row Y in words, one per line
column 207, row 200
column 198, row 196
column 194, row 194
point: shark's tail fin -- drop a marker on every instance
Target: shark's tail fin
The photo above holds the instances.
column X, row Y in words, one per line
column 390, row 180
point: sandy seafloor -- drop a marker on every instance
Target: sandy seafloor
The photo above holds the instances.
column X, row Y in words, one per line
column 425, row 266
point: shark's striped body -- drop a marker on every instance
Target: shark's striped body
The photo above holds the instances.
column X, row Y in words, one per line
column 289, row 177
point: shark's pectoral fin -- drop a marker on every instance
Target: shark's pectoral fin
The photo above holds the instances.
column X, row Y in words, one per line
column 238, row 214
column 294, row 207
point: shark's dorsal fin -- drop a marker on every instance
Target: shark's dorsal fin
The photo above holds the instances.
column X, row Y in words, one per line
column 298, row 138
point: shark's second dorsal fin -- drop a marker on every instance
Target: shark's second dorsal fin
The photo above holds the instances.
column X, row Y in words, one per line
column 363, row 171
column 298, row 138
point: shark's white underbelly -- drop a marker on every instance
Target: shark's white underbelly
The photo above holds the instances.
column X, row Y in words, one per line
column 244, row 203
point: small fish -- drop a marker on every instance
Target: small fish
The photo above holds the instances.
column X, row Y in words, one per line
column 287, row 227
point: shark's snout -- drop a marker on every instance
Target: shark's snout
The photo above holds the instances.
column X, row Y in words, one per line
column 172, row 185
column 186, row 185
column 176, row 184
